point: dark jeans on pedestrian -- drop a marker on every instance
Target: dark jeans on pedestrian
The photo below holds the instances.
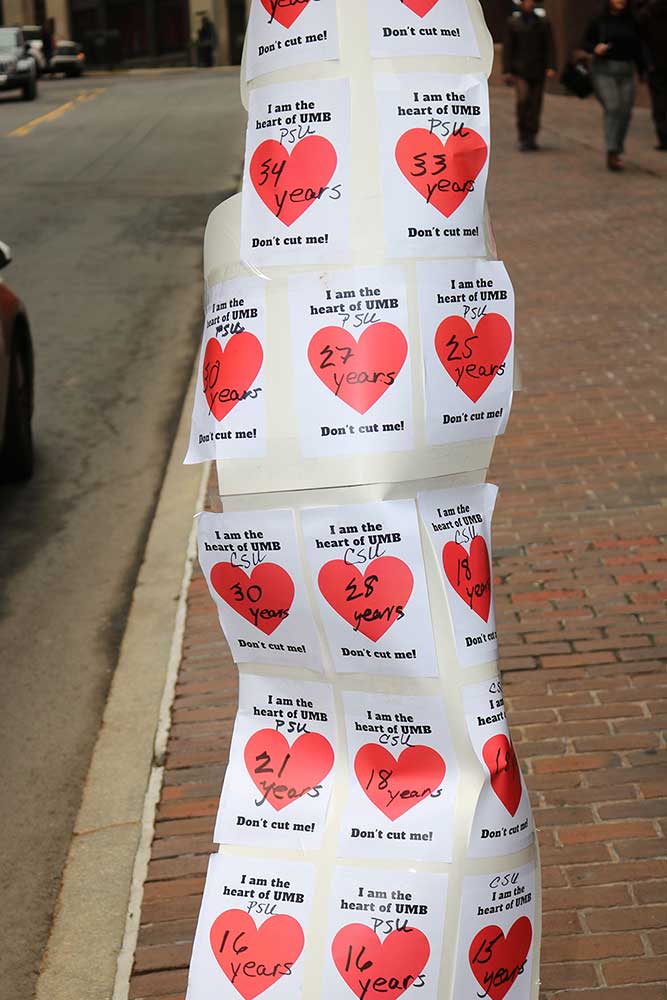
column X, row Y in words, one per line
column 614, row 83
column 205, row 53
column 529, row 97
column 657, row 81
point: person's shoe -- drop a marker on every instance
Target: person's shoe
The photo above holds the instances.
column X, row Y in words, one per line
column 614, row 162
column 531, row 144
column 662, row 147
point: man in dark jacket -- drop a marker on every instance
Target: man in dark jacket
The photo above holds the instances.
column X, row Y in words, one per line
column 652, row 17
column 48, row 32
column 528, row 58
column 207, row 40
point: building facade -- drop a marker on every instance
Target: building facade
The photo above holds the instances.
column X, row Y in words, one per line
column 166, row 30
column 568, row 17
column 142, row 31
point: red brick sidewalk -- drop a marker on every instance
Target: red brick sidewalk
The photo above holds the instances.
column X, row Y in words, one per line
column 581, row 562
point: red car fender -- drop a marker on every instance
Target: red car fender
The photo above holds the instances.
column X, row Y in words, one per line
column 10, row 308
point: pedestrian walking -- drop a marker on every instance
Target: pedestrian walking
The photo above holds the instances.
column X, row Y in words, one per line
column 529, row 57
column 652, row 18
column 613, row 40
column 48, row 32
column 207, row 40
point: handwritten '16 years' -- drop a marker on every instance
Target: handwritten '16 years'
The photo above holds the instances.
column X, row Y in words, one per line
column 211, row 372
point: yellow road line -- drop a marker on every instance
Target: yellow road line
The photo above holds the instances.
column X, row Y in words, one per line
column 50, row 116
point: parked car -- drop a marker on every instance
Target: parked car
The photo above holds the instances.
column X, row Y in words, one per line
column 18, row 69
column 32, row 34
column 69, row 59
column 16, row 384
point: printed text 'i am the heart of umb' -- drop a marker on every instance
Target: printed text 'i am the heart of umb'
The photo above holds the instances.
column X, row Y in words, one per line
column 284, row 773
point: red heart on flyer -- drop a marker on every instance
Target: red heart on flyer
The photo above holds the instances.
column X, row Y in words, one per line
column 497, row 961
column 470, row 574
column 284, row 11
column 395, row 964
column 443, row 173
column 420, row 7
column 395, row 786
column 229, row 372
column 255, row 958
column 500, row 758
column 285, row 773
column 473, row 358
column 370, row 601
column 358, row 371
column 263, row 598
column 290, row 182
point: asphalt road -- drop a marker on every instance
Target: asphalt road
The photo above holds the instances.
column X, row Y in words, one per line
column 103, row 202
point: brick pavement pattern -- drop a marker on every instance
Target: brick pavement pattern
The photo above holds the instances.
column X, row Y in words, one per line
column 581, row 580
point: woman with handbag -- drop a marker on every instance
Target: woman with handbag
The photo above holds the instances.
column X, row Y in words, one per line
column 613, row 39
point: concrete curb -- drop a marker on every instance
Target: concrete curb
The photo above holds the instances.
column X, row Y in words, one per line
column 89, row 953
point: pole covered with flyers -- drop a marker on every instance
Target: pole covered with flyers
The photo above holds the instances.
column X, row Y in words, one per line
column 375, row 834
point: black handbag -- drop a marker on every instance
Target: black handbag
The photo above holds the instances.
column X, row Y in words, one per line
column 576, row 77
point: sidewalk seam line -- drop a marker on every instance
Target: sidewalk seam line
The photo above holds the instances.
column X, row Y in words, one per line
column 173, row 666
column 125, row 960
